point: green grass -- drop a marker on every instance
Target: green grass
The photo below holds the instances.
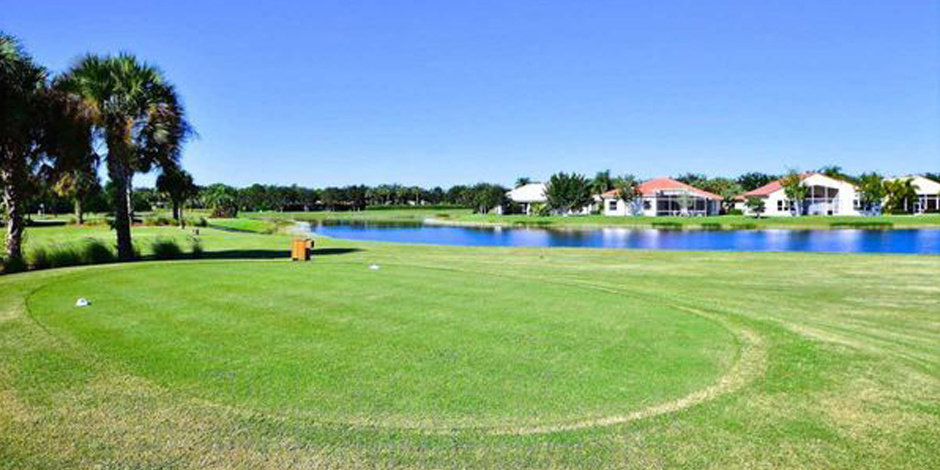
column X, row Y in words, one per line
column 461, row 357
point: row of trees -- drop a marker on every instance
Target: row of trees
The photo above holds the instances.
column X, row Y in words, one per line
column 55, row 131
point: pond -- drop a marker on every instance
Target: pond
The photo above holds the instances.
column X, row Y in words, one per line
column 917, row 241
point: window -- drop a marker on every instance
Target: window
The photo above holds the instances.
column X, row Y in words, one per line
column 646, row 204
column 781, row 205
column 612, row 205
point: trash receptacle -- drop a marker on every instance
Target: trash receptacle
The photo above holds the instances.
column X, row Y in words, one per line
column 300, row 249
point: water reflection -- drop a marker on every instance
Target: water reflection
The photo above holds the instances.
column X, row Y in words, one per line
column 923, row 241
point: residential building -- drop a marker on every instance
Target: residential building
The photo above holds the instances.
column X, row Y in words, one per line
column 527, row 196
column 824, row 196
column 928, row 194
column 662, row 197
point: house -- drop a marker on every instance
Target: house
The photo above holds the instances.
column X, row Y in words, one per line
column 928, row 193
column 528, row 195
column 824, row 196
column 663, row 197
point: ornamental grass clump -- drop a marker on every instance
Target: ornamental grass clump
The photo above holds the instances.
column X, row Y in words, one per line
column 166, row 249
column 95, row 251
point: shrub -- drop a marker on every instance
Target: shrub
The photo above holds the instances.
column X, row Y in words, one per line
column 735, row 212
column 63, row 256
column 97, row 222
column 667, row 225
column 869, row 225
column 747, row 226
column 711, row 226
column 196, row 251
column 97, row 252
column 38, row 258
column 166, row 249
column 197, row 222
column 12, row 265
column 158, row 221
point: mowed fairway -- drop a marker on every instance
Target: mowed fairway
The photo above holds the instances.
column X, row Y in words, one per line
column 456, row 357
column 399, row 346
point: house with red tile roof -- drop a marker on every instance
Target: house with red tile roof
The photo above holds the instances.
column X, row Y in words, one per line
column 662, row 197
column 824, row 196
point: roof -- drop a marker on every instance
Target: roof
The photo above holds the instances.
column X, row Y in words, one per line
column 922, row 185
column 654, row 186
column 532, row 192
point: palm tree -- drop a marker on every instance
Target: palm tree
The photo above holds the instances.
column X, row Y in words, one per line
column 567, row 193
column 78, row 184
column 602, row 182
column 40, row 130
column 140, row 118
column 795, row 190
column 178, row 185
column 628, row 188
column 901, row 195
column 222, row 199
column 871, row 191
column 522, row 181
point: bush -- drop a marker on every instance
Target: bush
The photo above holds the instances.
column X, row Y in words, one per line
column 868, row 225
column 64, row 256
column 12, row 265
column 97, row 252
column 158, row 221
column 196, row 251
column 667, row 225
column 735, row 212
column 747, row 226
column 38, row 258
column 197, row 221
column 97, row 222
column 711, row 226
column 166, row 249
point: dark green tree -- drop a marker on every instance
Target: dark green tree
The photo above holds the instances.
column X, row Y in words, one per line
column 567, row 193
column 177, row 184
column 140, row 118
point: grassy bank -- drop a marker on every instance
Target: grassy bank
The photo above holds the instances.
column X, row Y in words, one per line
column 454, row 357
column 730, row 222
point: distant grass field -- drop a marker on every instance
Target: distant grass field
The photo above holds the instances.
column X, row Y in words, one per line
column 469, row 357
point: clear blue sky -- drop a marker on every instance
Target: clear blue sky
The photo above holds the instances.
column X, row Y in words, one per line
column 443, row 92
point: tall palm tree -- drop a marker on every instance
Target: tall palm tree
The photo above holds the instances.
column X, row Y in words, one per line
column 522, row 181
column 40, row 130
column 139, row 117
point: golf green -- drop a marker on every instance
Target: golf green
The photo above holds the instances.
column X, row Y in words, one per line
column 398, row 346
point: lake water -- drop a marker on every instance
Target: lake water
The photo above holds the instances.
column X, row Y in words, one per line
column 919, row 241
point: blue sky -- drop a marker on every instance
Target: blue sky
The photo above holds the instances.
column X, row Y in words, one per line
column 445, row 92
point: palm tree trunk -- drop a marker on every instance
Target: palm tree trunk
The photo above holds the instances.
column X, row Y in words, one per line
column 122, row 223
column 79, row 212
column 13, row 199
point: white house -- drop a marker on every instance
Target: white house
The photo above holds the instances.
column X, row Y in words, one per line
column 663, row 197
column 928, row 193
column 824, row 196
column 527, row 195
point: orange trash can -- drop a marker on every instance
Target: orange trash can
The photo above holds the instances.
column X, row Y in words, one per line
column 300, row 249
